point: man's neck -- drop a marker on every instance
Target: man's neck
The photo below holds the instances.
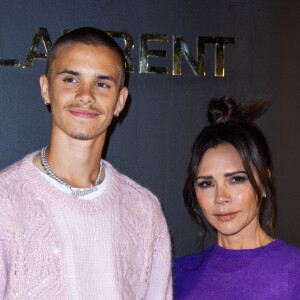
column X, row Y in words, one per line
column 74, row 161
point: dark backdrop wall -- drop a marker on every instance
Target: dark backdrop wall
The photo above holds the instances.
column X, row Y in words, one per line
column 151, row 141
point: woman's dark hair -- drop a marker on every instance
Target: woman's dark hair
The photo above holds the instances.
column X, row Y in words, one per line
column 232, row 123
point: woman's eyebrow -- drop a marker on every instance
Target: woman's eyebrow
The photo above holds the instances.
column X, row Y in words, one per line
column 234, row 173
column 204, row 177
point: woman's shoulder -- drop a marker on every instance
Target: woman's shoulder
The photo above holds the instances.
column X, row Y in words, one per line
column 285, row 252
column 288, row 247
column 283, row 248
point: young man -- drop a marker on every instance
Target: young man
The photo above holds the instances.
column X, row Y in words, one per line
column 71, row 226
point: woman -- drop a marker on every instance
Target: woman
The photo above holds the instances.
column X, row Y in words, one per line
column 230, row 183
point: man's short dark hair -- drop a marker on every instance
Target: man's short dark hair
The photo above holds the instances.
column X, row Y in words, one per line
column 87, row 36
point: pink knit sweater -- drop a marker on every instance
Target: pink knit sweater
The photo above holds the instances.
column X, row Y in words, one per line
column 32, row 250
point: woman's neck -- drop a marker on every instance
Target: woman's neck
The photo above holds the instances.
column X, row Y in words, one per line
column 245, row 240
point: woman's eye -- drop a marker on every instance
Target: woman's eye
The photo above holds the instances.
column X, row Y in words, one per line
column 238, row 179
column 204, row 184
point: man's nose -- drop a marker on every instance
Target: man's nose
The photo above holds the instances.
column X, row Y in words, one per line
column 85, row 95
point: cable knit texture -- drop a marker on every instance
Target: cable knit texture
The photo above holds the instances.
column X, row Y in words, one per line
column 33, row 250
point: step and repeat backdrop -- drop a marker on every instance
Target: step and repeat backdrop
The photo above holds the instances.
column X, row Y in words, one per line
column 180, row 54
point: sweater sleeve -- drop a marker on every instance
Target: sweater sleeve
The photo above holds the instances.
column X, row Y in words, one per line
column 4, row 256
column 3, row 272
column 160, row 283
column 7, row 222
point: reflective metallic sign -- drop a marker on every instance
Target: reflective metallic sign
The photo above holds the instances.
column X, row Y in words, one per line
column 180, row 48
column 41, row 34
column 198, row 65
column 128, row 46
column 145, row 53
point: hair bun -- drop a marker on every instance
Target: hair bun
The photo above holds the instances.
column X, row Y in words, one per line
column 226, row 109
column 221, row 110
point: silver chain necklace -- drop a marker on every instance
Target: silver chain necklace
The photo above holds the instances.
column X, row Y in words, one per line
column 75, row 193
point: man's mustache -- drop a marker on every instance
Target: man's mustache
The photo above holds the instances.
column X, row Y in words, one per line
column 76, row 105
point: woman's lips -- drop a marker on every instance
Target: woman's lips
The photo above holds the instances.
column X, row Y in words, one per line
column 226, row 216
column 83, row 113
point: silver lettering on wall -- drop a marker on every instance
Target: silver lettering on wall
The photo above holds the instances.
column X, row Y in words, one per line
column 9, row 62
column 145, row 53
column 180, row 48
column 220, row 43
column 198, row 65
column 41, row 34
column 128, row 46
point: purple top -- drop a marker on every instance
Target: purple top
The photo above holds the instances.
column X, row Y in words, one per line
column 268, row 272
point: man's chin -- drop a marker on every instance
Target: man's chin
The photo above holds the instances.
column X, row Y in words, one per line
column 82, row 136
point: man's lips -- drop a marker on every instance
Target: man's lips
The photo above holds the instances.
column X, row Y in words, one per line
column 226, row 216
column 83, row 113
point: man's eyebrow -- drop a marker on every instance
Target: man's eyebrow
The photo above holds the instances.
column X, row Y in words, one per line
column 67, row 71
column 106, row 77
column 101, row 77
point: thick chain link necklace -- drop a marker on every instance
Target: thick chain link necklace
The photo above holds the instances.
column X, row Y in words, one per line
column 75, row 193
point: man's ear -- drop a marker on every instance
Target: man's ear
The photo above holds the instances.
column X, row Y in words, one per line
column 44, row 84
column 121, row 101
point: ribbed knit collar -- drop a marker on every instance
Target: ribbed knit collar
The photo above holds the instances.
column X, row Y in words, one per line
column 244, row 252
column 230, row 261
